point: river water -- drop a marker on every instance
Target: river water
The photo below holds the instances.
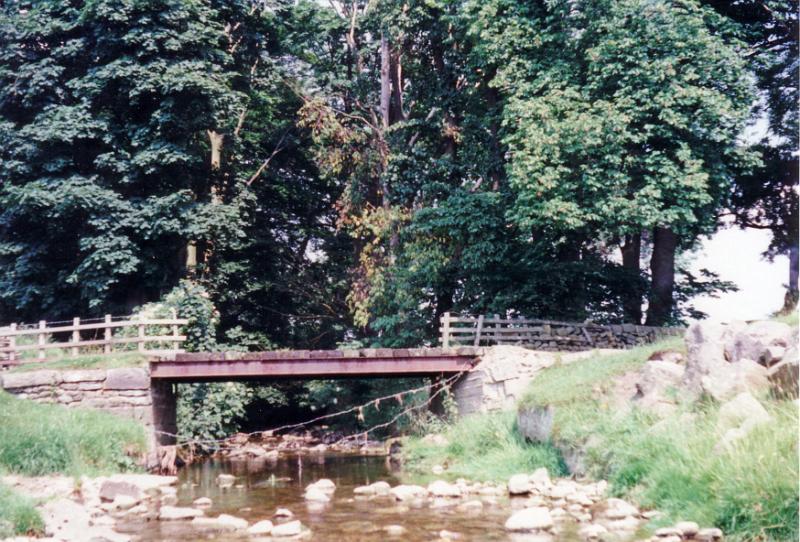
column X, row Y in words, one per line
column 265, row 486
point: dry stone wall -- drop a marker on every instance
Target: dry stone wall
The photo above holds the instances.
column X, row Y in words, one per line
column 566, row 337
column 126, row 392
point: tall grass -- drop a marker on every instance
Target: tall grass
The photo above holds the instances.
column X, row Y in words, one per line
column 18, row 515
column 37, row 439
column 481, row 448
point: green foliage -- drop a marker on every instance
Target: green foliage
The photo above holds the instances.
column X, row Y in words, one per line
column 38, row 439
column 18, row 516
column 207, row 412
column 192, row 301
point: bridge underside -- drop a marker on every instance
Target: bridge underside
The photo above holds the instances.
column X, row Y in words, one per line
column 368, row 362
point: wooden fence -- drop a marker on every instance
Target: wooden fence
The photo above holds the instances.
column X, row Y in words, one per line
column 96, row 336
column 545, row 334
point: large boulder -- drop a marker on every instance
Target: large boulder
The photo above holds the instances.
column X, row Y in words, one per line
column 743, row 376
column 715, row 364
column 763, row 341
column 657, row 386
column 737, row 418
column 743, row 411
column 705, row 345
column 783, row 376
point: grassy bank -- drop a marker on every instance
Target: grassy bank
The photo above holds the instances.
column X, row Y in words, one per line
column 751, row 491
column 38, row 439
column 484, row 448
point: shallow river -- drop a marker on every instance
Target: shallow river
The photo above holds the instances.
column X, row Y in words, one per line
column 343, row 519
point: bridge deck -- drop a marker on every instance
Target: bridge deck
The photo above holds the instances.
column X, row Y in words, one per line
column 367, row 362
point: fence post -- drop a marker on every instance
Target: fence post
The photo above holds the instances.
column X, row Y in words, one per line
column 41, row 337
column 175, row 340
column 478, row 331
column 12, row 343
column 446, row 330
column 76, row 335
column 107, row 335
column 141, row 338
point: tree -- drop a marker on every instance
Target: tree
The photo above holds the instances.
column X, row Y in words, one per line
column 623, row 118
column 105, row 113
column 767, row 197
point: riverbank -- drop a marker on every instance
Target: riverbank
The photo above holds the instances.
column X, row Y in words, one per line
column 39, row 439
column 689, row 459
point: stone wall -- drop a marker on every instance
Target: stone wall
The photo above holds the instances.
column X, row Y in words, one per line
column 501, row 377
column 126, row 392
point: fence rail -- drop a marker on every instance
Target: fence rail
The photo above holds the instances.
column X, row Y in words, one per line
column 545, row 334
column 97, row 334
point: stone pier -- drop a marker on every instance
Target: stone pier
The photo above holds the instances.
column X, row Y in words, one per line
column 126, row 392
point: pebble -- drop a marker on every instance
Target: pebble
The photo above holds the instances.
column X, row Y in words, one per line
column 283, row 513
column 225, row 480
column 711, row 534
column 202, row 502
column 394, row 530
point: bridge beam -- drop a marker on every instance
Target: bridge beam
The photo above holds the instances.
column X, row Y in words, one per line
column 227, row 366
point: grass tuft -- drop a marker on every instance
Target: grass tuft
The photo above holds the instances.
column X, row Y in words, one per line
column 38, row 439
column 18, row 515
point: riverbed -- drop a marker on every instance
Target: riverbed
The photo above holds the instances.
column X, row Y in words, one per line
column 262, row 486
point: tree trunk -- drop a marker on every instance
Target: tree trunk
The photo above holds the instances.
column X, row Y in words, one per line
column 386, row 81
column 632, row 297
column 792, row 293
column 662, row 271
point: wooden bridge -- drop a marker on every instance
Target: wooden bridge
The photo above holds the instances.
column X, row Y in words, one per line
column 367, row 362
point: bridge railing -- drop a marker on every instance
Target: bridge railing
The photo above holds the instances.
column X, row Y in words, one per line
column 545, row 334
column 28, row 343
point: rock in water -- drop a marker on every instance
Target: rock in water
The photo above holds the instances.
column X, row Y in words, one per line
column 174, row 513
column 519, row 484
column 440, row 488
column 260, row 528
column 530, row 519
column 316, row 495
column 408, row 492
column 226, row 480
column 291, row 528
